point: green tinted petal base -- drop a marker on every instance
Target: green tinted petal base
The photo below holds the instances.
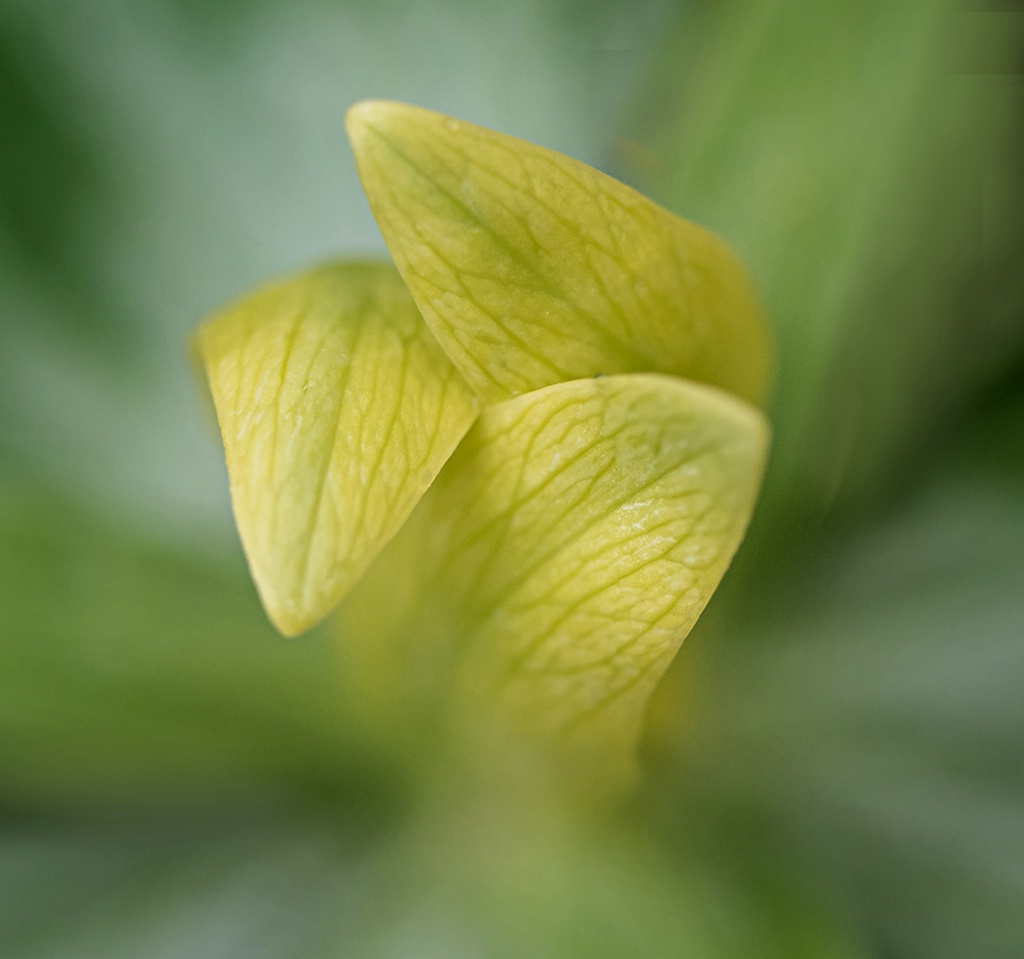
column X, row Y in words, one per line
column 561, row 558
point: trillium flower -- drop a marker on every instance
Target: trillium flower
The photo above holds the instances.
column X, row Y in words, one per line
column 521, row 458
column 831, row 764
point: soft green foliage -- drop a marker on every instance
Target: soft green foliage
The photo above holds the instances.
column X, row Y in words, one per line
column 113, row 666
column 860, row 157
column 577, row 535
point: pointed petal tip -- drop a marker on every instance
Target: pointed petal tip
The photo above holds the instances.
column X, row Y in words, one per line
column 365, row 115
column 380, row 116
column 289, row 625
column 290, row 615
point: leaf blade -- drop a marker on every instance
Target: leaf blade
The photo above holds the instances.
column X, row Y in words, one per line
column 337, row 409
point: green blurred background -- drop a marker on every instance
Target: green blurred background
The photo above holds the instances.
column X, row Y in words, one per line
column 835, row 763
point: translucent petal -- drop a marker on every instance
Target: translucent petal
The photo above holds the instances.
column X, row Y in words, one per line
column 337, row 409
column 566, row 550
column 532, row 268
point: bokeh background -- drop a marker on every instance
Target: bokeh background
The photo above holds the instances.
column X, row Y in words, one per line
column 835, row 764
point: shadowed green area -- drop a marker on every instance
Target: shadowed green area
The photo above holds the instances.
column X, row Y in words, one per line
column 50, row 175
column 131, row 675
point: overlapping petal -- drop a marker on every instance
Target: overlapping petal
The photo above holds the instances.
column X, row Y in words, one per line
column 562, row 556
column 544, row 583
column 532, row 268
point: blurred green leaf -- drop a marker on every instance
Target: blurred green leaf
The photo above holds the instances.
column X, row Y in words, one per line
column 869, row 718
column 876, row 195
column 129, row 675
column 51, row 174
column 497, row 882
column 241, row 887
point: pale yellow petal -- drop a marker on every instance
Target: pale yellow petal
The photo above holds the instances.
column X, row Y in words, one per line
column 566, row 550
column 532, row 268
column 337, row 408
